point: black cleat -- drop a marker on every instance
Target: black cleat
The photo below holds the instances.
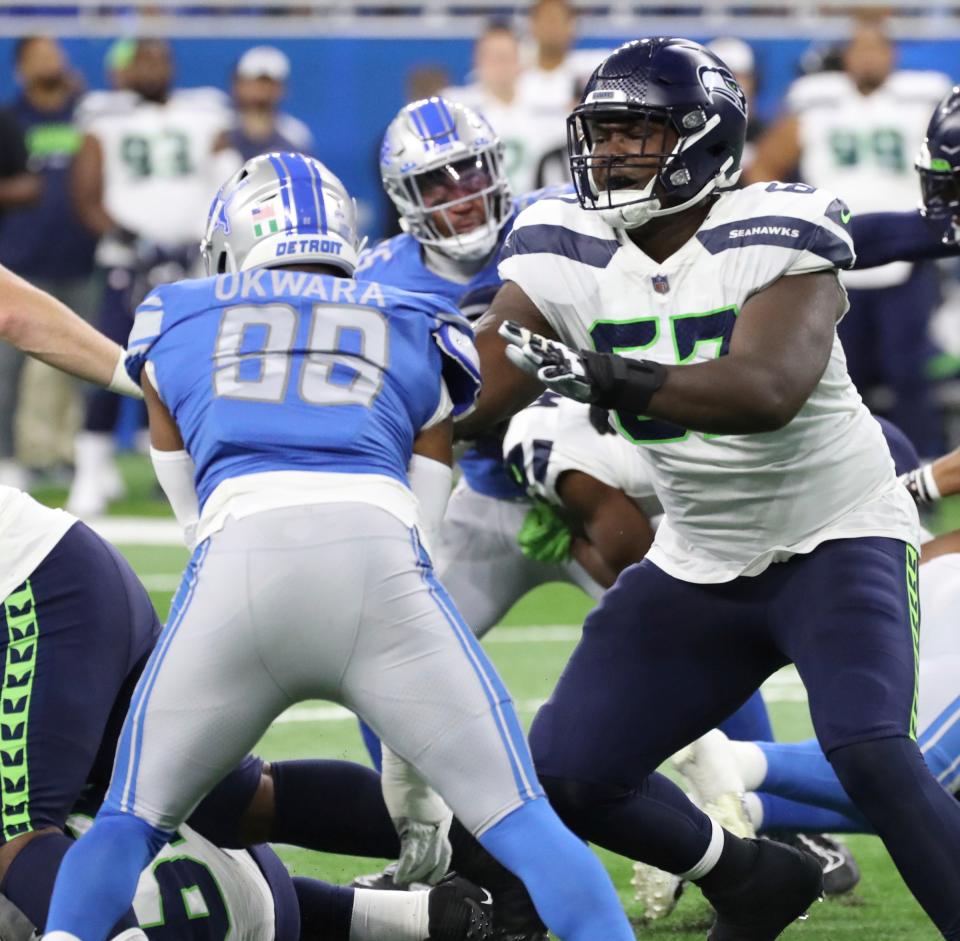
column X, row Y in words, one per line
column 460, row 911
column 514, row 916
column 782, row 885
column 840, row 870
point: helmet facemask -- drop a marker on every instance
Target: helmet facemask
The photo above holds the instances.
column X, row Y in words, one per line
column 661, row 182
column 435, row 205
column 940, row 192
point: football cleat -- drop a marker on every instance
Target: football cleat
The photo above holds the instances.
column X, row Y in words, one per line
column 657, row 891
column 840, row 870
column 709, row 771
column 783, row 883
column 459, row 911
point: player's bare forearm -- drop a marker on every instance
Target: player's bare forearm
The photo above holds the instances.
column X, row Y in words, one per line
column 20, row 190
column 436, row 443
column 44, row 328
column 946, row 473
column 505, row 390
column 592, row 562
column 780, row 348
column 164, row 433
column 615, row 526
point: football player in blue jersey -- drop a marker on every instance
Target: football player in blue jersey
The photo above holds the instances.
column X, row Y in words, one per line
column 705, row 317
column 306, row 412
column 76, row 629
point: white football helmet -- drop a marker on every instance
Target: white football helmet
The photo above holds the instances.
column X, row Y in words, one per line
column 438, row 159
column 281, row 209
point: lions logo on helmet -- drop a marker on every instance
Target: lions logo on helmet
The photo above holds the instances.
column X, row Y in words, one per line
column 281, row 209
column 442, row 166
column 685, row 117
column 938, row 164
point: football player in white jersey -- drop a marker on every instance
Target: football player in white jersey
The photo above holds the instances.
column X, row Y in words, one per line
column 141, row 169
column 707, row 321
column 853, row 132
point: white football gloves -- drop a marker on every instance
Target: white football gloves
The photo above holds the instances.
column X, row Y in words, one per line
column 422, row 821
column 556, row 365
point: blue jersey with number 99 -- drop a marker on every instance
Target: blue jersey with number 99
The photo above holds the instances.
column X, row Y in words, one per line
column 281, row 370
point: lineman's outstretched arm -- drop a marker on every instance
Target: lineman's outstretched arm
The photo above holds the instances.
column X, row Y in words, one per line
column 882, row 237
column 505, row 388
column 39, row 325
column 779, row 348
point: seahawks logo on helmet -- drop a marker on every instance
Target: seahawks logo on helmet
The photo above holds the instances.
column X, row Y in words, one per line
column 717, row 81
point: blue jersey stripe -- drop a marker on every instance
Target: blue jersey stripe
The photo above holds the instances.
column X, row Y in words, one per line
column 556, row 240
column 780, row 231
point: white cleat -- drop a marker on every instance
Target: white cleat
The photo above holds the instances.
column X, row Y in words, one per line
column 657, row 891
column 710, row 772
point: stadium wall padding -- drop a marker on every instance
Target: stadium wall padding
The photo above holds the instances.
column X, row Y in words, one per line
column 348, row 89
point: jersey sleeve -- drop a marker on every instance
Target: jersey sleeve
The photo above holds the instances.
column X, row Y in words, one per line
column 460, row 362
column 770, row 230
column 882, row 237
column 146, row 330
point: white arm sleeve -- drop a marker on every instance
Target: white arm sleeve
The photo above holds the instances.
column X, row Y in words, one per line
column 121, row 381
column 431, row 482
column 175, row 470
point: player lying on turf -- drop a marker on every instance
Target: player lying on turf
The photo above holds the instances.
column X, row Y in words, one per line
column 786, row 536
column 293, row 399
column 77, row 629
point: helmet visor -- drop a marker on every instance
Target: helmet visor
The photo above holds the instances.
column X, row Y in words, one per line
column 940, row 192
column 458, row 198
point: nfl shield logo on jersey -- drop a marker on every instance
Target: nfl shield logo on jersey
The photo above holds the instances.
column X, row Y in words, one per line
column 660, row 283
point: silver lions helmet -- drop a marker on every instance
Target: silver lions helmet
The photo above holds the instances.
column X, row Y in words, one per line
column 281, row 209
column 442, row 165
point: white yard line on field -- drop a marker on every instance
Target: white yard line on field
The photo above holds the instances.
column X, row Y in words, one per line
column 784, row 686
column 138, row 530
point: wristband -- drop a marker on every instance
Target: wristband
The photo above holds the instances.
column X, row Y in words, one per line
column 921, row 485
column 621, row 383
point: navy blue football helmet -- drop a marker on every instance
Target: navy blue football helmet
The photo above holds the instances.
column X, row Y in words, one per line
column 687, row 115
column 938, row 164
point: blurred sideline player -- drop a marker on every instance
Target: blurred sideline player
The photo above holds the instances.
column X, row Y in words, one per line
column 302, row 486
column 525, row 133
column 852, row 131
column 258, row 87
column 147, row 159
column 78, row 628
column 772, row 548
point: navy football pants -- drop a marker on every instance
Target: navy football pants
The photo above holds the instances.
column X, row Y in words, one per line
column 662, row 661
